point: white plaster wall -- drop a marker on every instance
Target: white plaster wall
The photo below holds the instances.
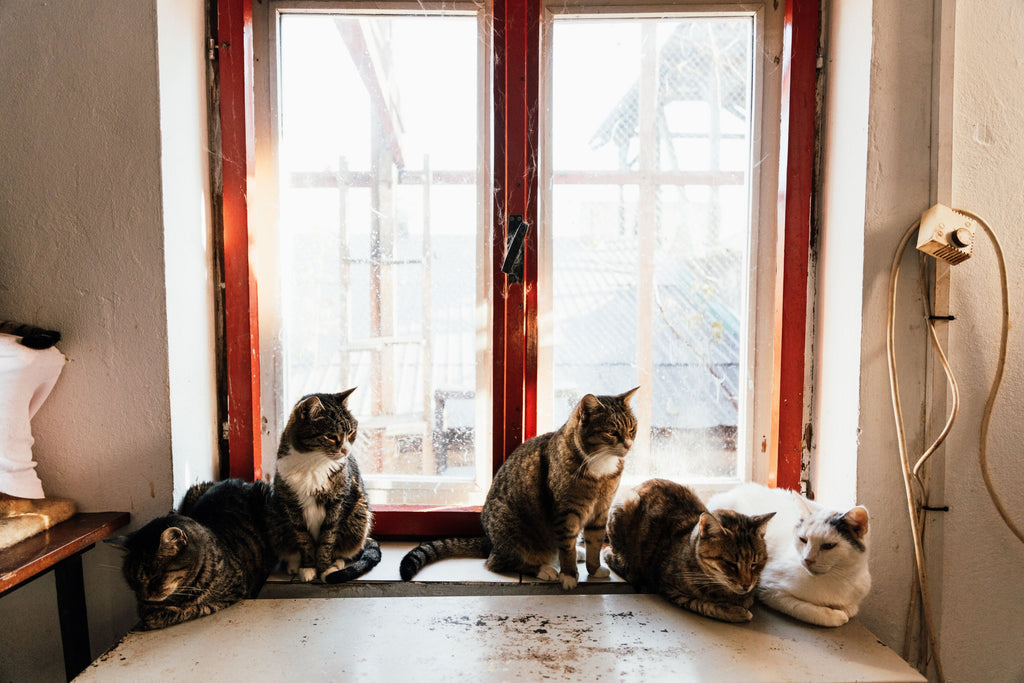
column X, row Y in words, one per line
column 840, row 255
column 188, row 241
column 85, row 201
column 974, row 561
column 897, row 189
column 983, row 562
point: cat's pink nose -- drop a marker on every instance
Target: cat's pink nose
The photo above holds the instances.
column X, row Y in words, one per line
column 628, row 443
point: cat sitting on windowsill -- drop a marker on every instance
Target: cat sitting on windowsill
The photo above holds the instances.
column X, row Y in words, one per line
column 817, row 569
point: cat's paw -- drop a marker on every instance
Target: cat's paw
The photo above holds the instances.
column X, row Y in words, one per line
column 306, row 574
column 716, row 610
column 736, row 614
column 598, row 573
column 291, row 564
column 547, row 573
column 568, row 581
column 833, row 617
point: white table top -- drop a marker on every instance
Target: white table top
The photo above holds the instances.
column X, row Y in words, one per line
column 494, row 638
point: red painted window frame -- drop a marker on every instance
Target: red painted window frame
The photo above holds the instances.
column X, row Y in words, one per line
column 241, row 344
column 801, row 26
column 516, row 93
column 516, row 32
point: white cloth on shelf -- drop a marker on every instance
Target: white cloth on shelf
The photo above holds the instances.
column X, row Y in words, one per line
column 26, row 378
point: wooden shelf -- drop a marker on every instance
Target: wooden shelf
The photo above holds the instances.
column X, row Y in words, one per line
column 60, row 549
column 33, row 556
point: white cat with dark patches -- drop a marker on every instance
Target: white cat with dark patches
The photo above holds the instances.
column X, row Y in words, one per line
column 817, row 568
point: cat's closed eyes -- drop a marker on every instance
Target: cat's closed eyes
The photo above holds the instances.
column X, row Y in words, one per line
column 663, row 540
column 550, row 489
column 817, row 567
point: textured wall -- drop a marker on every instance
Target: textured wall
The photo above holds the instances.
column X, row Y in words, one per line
column 982, row 619
column 188, row 242
column 840, row 253
column 974, row 562
column 82, row 250
column 897, row 188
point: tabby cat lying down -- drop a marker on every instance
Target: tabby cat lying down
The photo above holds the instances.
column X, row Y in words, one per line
column 214, row 551
column 663, row 540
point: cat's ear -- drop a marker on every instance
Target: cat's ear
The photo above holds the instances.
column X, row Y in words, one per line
column 761, row 523
column 629, row 394
column 343, row 396
column 805, row 507
column 857, row 520
column 709, row 525
column 588, row 404
column 172, row 541
column 311, row 407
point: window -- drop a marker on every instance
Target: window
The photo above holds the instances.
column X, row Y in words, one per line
column 385, row 177
column 648, row 232
column 383, row 238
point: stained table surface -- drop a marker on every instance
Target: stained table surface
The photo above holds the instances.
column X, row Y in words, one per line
column 494, row 638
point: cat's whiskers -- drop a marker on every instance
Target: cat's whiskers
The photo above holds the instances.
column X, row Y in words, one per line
column 595, row 464
column 695, row 578
column 585, row 465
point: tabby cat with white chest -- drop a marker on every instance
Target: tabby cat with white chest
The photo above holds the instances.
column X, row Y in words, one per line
column 321, row 517
column 817, row 567
column 214, row 551
column 549, row 490
column 663, row 540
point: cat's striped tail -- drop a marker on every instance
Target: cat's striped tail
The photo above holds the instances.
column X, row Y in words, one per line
column 432, row 551
column 368, row 559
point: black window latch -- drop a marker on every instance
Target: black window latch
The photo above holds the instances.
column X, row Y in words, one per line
column 512, row 266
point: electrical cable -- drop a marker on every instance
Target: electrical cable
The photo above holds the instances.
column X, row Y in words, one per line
column 954, row 389
column 917, row 503
column 994, row 391
column 908, row 475
column 923, row 645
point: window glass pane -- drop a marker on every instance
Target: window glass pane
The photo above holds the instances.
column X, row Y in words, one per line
column 381, row 243
column 650, row 230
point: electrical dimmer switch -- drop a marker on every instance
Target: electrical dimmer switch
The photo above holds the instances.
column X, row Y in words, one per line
column 946, row 234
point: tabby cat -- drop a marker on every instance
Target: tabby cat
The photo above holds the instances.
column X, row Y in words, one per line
column 212, row 553
column 321, row 517
column 663, row 540
column 551, row 488
column 817, row 567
